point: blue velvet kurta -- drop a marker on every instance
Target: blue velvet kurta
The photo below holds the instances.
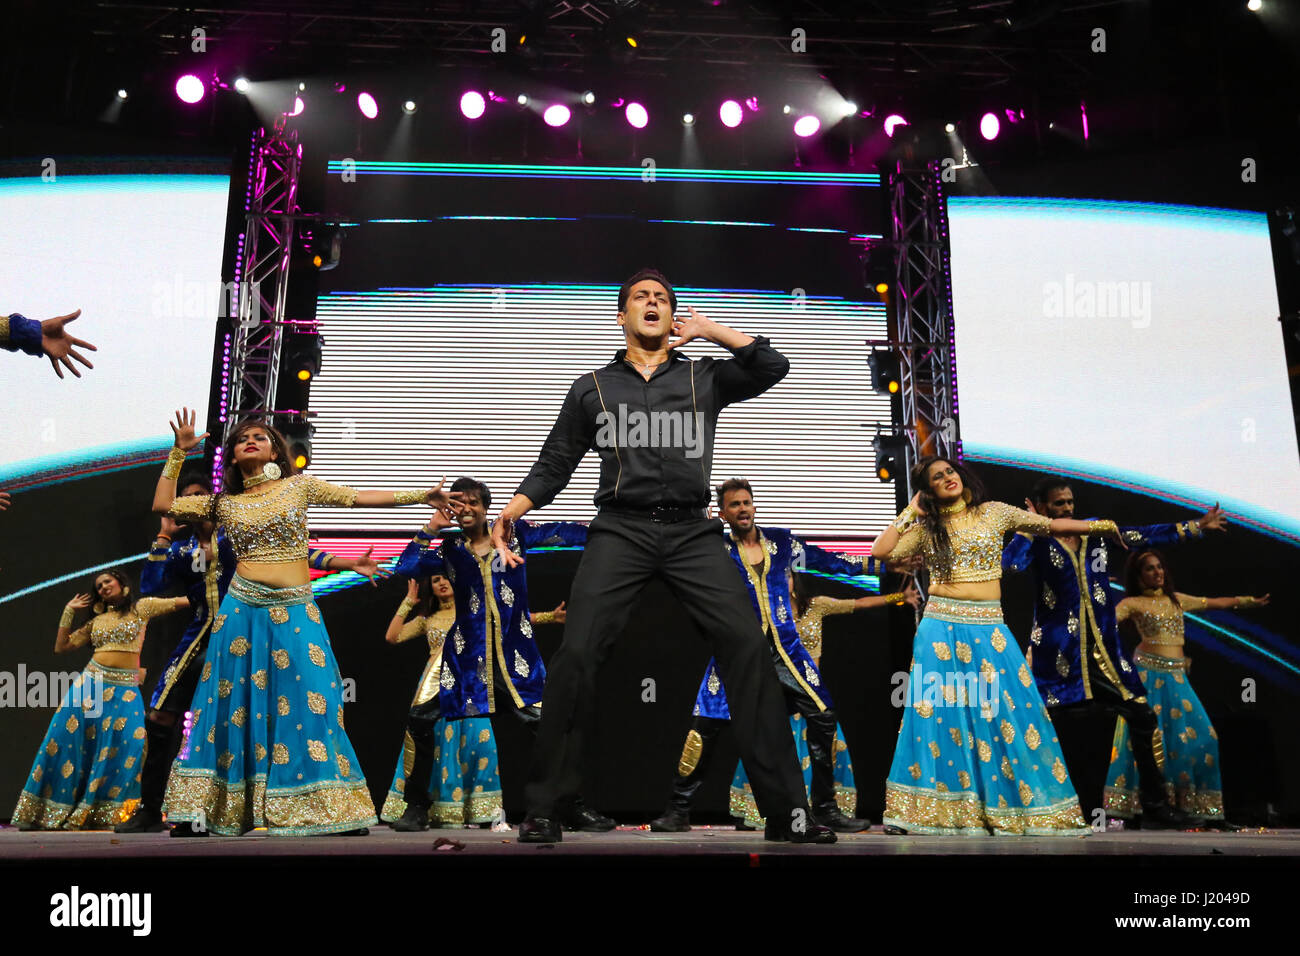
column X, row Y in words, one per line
column 1064, row 611
column 176, row 567
column 491, row 605
column 769, row 594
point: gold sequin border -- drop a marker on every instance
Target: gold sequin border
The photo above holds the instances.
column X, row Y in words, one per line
column 926, row 811
column 229, row 810
column 963, row 612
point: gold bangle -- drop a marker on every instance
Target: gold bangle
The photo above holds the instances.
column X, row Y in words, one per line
column 69, row 615
column 1246, row 601
column 905, row 519
column 405, row 608
column 409, row 497
column 897, row 597
column 175, row 461
column 1103, row 526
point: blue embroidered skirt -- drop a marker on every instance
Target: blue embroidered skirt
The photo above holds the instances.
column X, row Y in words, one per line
column 464, row 785
column 267, row 746
column 846, row 791
column 86, row 775
column 976, row 750
column 1191, row 747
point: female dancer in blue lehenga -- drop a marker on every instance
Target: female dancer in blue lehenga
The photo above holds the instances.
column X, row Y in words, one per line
column 809, row 615
column 1188, row 740
column 267, row 747
column 976, row 750
column 86, row 775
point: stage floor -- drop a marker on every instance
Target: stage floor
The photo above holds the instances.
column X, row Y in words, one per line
column 703, row 844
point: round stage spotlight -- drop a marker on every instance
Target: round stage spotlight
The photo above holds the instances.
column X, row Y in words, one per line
column 366, row 103
column 522, row 99
column 121, row 94
column 731, row 113
column 636, row 115
column 557, row 114
column 472, row 104
column 190, row 89
column 787, row 109
column 588, row 98
column 892, row 122
column 1254, row 6
column 849, row 108
column 990, row 125
column 241, row 84
column 949, row 128
column 688, row 119
column 806, row 126
column 408, row 106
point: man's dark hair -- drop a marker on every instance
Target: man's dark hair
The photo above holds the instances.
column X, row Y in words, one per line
column 194, row 478
column 641, row 276
column 1045, row 486
column 476, row 486
column 732, row 484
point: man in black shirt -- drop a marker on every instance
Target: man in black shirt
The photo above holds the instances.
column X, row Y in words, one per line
column 650, row 414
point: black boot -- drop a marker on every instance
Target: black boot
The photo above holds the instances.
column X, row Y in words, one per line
column 809, row 833
column 579, row 816
column 1160, row 815
column 697, row 753
column 540, row 830
column 160, row 747
column 834, row 818
column 820, row 735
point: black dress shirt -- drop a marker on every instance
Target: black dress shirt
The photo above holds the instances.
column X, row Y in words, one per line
column 654, row 438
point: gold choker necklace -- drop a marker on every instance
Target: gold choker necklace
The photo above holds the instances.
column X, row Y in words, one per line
column 270, row 472
column 953, row 509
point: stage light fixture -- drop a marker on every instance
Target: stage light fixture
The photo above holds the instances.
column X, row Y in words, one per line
column 409, row 106
column 1254, row 6
column 588, row 98
column 990, row 126
column 121, row 94
column 241, row 84
column 949, row 128
column 366, row 103
column 302, row 358
column 298, row 436
column 731, row 113
column 878, row 266
column 850, row 108
column 472, row 104
column 636, row 115
column 302, row 87
column 751, row 104
column 298, row 106
column 522, row 99
column 557, row 114
column 807, row 125
column 688, row 119
column 892, row 122
column 787, row 109
column 327, row 248
column 891, row 455
column 886, row 376
column 190, row 89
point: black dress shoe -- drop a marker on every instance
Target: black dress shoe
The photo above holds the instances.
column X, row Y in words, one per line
column 813, row 833
column 412, row 820
column 1162, row 816
column 582, row 817
column 186, row 829
column 673, row 821
column 742, row 825
column 893, row 830
column 142, row 821
column 540, row 830
column 839, row 821
column 1224, row 826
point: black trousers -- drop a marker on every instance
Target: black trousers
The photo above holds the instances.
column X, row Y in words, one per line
column 1142, row 725
column 420, row 721
column 622, row 554
column 698, row 753
column 163, row 741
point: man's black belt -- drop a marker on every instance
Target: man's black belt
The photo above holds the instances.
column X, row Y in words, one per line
column 659, row 513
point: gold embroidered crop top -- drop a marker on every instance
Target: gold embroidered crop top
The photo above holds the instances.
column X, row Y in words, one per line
column 809, row 625
column 435, row 627
column 121, row 630
column 269, row 528
column 1156, row 618
column 976, row 538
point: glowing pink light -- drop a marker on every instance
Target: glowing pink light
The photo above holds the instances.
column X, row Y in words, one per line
column 1083, row 112
column 557, row 114
column 731, row 114
column 189, row 88
column 806, row 126
column 366, row 103
column 752, row 104
column 472, row 104
column 892, row 122
column 636, row 115
column 989, row 126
